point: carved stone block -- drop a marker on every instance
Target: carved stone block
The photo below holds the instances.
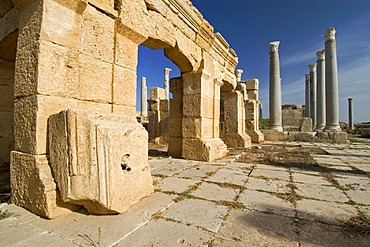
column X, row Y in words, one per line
column 99, row 160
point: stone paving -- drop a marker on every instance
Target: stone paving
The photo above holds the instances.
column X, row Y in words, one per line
column 222, row 203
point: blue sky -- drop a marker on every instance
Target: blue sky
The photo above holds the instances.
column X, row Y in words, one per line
column 249, row 26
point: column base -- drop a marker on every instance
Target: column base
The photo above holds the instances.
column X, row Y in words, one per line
column 236, row 140
column 320, row 128
column 203, row 149
column 256, row 136
column 276, row 128
column 34, row 188
column 332, row 128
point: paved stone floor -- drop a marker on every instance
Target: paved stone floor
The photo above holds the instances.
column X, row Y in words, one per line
column 222, row 203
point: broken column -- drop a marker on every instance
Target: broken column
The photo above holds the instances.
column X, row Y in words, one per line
column 307, row 95
column 350, row 115
column 251, row 112
column 144, row 109
column 275, row 88
column 321, row 118
column 167, row 82
column 238, row 74
column 331, row 82
column 313, row 84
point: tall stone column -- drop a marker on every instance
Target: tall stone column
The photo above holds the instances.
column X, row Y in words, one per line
column 350, row 115
column 321, row 118
column 144, row 98
column 331, row 82
column 238, row 74
column 167, row 82
column 307, row 96
column 313, row 97
column 275, row 88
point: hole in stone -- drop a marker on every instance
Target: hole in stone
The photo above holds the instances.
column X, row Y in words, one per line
column 125, row 168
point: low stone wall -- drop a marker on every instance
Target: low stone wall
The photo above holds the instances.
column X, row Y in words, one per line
column 323, row 137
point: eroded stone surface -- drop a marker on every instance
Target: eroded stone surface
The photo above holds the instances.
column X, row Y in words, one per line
column 91, row 156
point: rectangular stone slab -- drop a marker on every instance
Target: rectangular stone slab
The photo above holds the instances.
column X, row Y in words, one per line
column 99, row 161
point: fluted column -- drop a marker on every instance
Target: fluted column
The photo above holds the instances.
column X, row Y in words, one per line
column 167, row 82
column 307, row 96
column 331, row 81
column 350, row 115
column 275, row 88
column 321, row 118
column 144, row 96
column 313, row 98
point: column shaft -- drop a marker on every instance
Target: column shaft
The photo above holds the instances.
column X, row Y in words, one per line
column 307, row 96
column 144, row 109
column 321, row 118
column 313, row 97
column 167, row 82
column 331, row 80
column 350, row 115
column 275, row 88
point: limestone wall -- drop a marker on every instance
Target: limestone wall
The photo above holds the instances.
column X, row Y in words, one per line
column 292, row 116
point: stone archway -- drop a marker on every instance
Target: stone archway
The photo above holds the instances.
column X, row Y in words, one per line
column 88, row 63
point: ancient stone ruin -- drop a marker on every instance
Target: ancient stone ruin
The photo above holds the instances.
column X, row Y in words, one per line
column 68, row 131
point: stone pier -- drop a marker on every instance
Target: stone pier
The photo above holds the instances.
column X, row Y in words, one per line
column 275, row 88
column 350, row 115
column 331, row 82
column 307, row 96
column 251, row 111
column 234, row 135
column 144, row 89
column 321, row 118
column 167, row 82
column 313, row 96
column 158, row 116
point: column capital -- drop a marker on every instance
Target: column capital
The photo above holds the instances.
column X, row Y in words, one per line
column 274, row 46
column 350, row 99
column 307, row 76
column 167, row 70
column 312, row 67
column 238, row 74
column 330, row 34
column 320, row 55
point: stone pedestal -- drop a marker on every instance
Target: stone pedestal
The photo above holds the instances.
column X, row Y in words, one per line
column 94, row 162
column 234, row 120
column 307, row 96
column 321, row 118
column 201, row 114
column 331, row 82
column 313, row 96
column 275, row 88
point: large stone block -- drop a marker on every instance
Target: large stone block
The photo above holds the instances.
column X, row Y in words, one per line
column 124, row 86
column 33, row 186
column 97, row 39
column 95, row 79
column 237, row 140
column 6, row 125
column 31, row 121
column 203, row 149
column 126, row 52
column 175, row 147
column 256, row 136
column 306, row 125
column 273, row 135
column 99, row 161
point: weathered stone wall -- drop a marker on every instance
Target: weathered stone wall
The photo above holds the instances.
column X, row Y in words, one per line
column 88, row 62
column 292, row 116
